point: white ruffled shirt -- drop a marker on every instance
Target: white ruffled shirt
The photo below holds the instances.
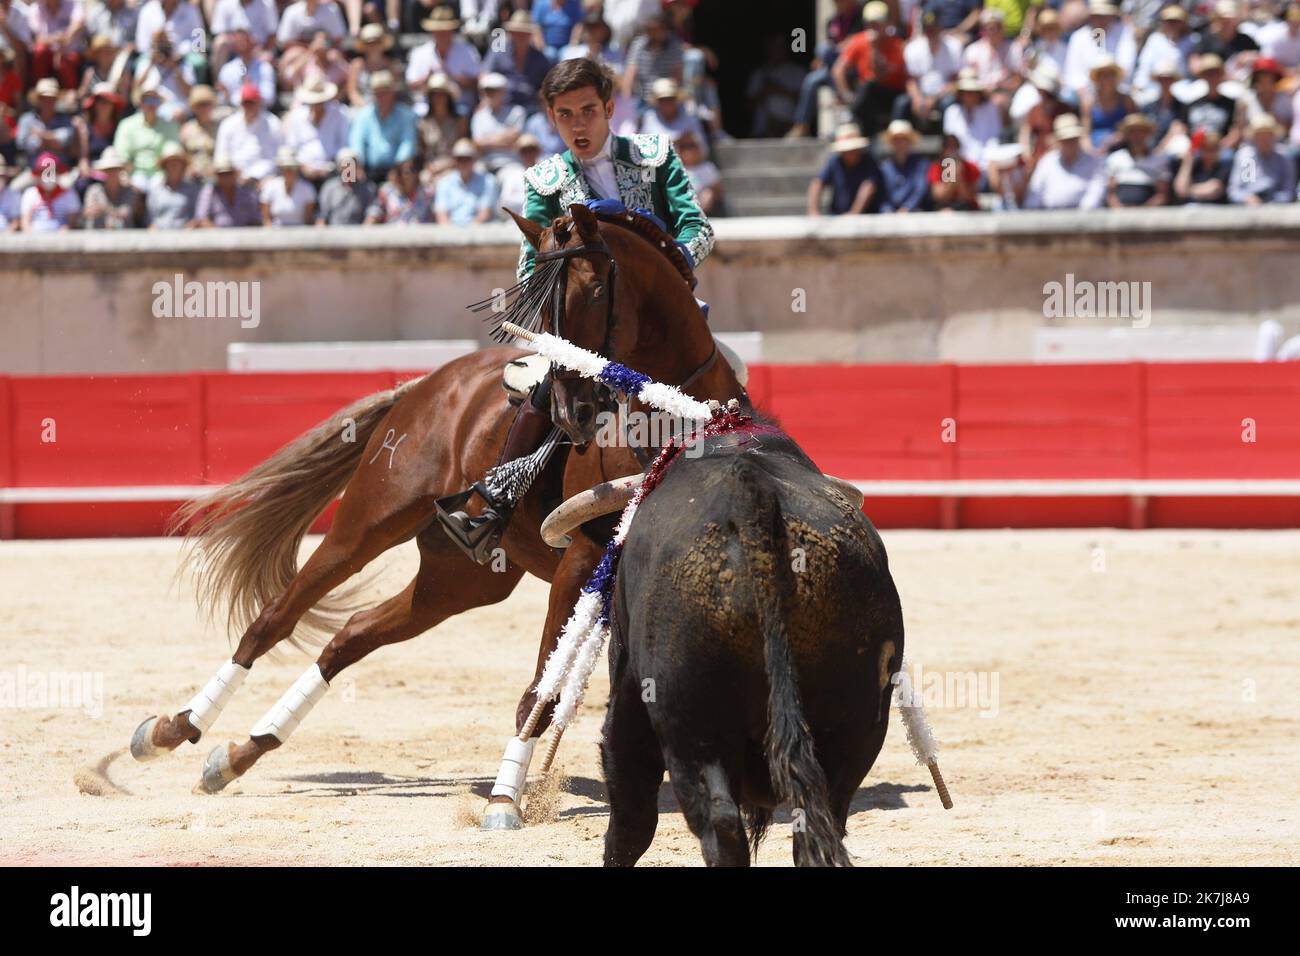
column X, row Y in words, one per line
column 600, row 171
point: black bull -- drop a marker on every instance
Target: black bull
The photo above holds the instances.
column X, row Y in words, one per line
column 756, row 630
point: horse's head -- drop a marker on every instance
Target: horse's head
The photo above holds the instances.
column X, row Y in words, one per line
column 575, row 272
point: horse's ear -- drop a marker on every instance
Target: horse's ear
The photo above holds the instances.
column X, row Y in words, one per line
column 531, row 230
column 585, row 220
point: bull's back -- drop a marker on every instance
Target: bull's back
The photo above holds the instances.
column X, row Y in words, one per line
column 699, row 568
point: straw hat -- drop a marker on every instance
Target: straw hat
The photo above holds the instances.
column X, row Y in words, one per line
column 286, row 158
column 519, row 22
column 493, row 81
column 877, row 11
column 848, row 137
column 968, row 81
column 373, row 33
column 46, row 88
column 1173, row 14
column 1048, row 18
column 1264, row 123
column 442, row 19
column 200, row 94
column 1226, row 10
column 901, row 128
column 1105, row 64
column 665, row 88
column 223, row 164
column 464, row 149
column 442, row 83
column 1046, row 78
column 316, row 91
column 1067, row 126
column 173, row 151
column 1166, row 69
column 1102, row 8
column 101, row 41
column 382, row 81
column 110, row 159
column 1208, row 62
column 527, row 141
column 1136, row 120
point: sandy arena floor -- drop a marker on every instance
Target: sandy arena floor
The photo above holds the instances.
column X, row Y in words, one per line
column 1138, row 705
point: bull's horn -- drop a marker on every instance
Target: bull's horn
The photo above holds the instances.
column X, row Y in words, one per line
column 605, row 498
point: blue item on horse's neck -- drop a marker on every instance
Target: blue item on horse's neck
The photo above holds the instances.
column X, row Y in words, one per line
column 613, row 207
column 685, row 251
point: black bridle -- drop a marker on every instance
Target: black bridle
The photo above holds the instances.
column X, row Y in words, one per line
column 549, row 279
column 587, row 250
column 605, row 396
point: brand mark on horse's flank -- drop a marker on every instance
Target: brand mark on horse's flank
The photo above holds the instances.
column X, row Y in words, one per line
column 73, row 909
column 392, row 449
column 179, row 299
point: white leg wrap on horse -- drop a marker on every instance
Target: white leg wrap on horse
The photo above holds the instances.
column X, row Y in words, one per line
column 514, row 768
column 283, row 719
column 208, row 703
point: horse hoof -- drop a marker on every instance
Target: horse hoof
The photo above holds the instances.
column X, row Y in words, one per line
column 217, row 771
column 502, row 816
column 142, row 746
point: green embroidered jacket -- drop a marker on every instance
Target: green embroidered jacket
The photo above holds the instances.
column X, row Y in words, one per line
column 649, row 176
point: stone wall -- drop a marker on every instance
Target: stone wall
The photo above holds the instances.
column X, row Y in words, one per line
column 903, row 288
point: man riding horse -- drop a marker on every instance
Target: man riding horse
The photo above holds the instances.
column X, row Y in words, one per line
column 610, row 174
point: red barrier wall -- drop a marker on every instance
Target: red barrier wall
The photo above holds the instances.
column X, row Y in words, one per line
column 864, row 422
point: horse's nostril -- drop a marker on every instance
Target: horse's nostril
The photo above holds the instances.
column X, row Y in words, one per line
column 585, row 413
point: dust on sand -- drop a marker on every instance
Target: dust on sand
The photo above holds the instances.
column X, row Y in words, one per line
column 1127, row 698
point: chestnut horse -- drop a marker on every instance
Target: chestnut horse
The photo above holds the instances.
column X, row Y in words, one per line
column 392, row 454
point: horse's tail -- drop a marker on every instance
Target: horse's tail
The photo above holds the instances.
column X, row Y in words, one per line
column 796, row 774
column 242, row 540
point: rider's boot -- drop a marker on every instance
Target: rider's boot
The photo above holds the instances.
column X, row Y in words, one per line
column 478, row 534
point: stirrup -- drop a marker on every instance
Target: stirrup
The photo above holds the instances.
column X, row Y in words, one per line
column 478, row 535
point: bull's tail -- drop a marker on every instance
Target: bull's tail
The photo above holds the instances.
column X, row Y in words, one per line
column 796, row 774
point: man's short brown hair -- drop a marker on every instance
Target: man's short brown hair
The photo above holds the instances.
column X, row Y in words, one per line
column 570, row 75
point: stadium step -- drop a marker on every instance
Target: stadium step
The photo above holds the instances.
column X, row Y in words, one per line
column 770, row 153
column 760, row 205
column 770, row 180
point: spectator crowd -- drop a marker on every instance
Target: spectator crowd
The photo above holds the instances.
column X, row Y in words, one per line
column 1056, row 104
column 172, row 114
column 169, row 114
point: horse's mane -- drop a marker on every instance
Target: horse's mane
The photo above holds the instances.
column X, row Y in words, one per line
column 648, row 230
column 522, row 303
